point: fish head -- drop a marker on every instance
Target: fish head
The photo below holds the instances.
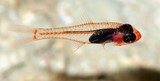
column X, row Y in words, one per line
column 126, row 34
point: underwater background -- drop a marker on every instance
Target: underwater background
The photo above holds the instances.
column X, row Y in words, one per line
column 53, row 60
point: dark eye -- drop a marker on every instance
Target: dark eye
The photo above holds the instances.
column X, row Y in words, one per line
column 129, row 37
column 125, row 28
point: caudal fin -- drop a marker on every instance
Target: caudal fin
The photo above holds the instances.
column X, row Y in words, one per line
column 20, row 35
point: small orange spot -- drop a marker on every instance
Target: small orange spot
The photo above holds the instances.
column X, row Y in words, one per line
column 34, row 37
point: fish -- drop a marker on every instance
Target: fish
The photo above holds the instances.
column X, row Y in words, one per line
column 89, row 32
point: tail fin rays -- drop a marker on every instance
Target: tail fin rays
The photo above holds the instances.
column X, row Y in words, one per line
column 20, row 35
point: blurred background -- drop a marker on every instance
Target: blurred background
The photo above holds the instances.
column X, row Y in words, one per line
column 51, row 60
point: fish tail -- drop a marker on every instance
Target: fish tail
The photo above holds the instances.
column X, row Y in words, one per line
column 21, row 29
column 21, row 35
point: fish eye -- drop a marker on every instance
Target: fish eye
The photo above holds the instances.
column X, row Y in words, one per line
column 126, row 28
column 129, row 37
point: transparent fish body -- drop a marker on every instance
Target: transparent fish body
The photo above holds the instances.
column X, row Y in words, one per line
column 88, row 32
column 78, row 33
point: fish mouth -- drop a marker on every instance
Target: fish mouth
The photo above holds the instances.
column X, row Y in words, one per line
column 138, row 35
